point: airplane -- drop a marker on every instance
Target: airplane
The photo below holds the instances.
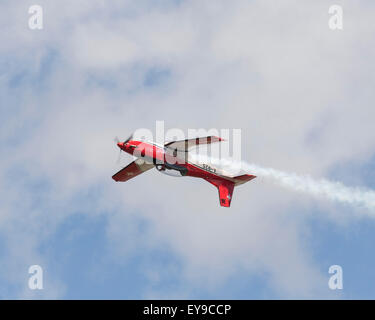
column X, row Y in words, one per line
column 173, row 158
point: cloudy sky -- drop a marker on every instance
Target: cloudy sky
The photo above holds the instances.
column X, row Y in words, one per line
column 301, row 93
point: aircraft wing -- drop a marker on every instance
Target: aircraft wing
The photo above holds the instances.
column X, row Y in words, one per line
column 184, row 145
column 132, row 170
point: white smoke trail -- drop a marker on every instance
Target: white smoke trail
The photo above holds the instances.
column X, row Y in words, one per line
column 336, row 191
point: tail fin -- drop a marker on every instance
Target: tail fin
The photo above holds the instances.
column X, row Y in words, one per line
column 225, row 189
column 226, row 186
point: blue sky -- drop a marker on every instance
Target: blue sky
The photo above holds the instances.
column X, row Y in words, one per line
column 300, row 92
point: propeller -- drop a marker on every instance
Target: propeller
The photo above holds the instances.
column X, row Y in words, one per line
column 128, row 139
column 118, row 158
column 117, row 140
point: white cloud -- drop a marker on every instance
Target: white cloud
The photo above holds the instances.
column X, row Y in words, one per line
column 300, row 93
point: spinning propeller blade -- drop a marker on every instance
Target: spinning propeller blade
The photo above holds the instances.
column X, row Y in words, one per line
column 117, row 140
column 131, row 137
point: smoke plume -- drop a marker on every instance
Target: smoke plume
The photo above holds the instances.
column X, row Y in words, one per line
column 332, row 190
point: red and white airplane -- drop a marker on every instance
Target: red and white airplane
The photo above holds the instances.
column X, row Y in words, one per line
column 173, row 159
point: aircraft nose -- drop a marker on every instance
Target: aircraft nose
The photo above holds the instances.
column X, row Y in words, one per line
column 120, row 144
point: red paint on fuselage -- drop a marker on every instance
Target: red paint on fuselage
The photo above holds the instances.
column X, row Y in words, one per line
column 156, row 154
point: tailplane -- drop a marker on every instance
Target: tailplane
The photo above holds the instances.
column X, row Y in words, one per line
column 243, row 179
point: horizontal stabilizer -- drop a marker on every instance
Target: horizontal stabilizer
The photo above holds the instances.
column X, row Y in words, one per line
column 242, row 179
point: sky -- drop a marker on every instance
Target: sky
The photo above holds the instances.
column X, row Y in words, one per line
column 301, row 93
